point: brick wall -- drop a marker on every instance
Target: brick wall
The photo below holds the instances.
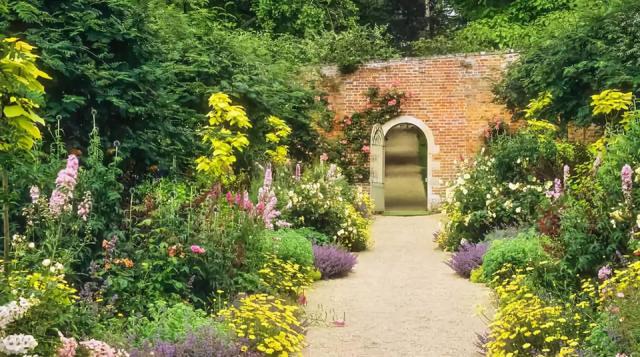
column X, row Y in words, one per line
column 451, row 94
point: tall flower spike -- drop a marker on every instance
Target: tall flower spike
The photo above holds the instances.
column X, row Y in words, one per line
column 565, row 178
column 298, row 175
column 626, row 176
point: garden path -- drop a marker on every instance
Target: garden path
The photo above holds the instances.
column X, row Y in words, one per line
column 400, row 300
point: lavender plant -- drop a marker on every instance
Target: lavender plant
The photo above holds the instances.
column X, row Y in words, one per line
column 467, row 258
column 333, row 261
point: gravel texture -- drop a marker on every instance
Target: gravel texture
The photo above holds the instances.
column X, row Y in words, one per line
column 401, row 300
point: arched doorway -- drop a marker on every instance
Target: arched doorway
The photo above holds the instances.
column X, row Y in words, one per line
column 406, row 126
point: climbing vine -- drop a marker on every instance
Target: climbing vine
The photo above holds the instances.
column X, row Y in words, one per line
column 351, row 148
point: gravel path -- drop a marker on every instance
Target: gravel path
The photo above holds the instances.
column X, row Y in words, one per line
column 401, row 300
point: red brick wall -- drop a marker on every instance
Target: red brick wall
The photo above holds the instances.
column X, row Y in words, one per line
column 451, row 94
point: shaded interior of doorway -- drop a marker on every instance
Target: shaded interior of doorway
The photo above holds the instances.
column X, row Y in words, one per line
column 405, row 169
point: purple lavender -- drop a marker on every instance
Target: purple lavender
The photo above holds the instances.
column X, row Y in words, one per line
column 205, row 342
column 627, row 181
column 333, row 261
column 467, row 258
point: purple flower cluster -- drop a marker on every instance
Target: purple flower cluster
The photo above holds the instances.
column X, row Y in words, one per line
column 333, row 261
column 60, row 200
column 203, row 343
column 467, row 258
column 267, row 201
column 626, row 175
column 605, row 273
column 557, row 190
column 565, row 178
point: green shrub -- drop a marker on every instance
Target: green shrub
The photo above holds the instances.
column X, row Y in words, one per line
column 313, row 236
column 525, row 248
column 292, row 246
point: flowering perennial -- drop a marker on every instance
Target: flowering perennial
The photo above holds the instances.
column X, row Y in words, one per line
column 66, row 181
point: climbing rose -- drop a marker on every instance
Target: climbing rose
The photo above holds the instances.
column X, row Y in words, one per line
column 392, row 102
column 196, row 249
column 366, row 149
column 627, row 180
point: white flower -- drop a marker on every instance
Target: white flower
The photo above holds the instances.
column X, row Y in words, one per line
column 467, row 176
column 508, row 204
column 488, row 196
column 638, row 220
column 46, row 262
column 17, row 344
column 518, row 210
column 31, row 245
column 513, row 186
column 464, row 191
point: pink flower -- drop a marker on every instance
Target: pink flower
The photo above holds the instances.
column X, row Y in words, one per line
column 84, row 208
column 392, row 102
column 229, row 197
column 268, row 177
column 627, row 180
column 68, row 346
column 604, row 273
column 347, row 121
column 366, row 149
column 324, row 157
column 196, row 249
column 61, row 196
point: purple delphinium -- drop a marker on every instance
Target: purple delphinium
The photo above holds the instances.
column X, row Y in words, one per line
column 557, row 190
column 626, row 176
column 333, row 261
column 467, row 258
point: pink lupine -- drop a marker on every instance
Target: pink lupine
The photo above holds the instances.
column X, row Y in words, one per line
column 626, row 176
column 61, row 196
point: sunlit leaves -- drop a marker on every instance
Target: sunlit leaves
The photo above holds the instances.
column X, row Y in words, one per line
column 611, row 101
column 19, row 79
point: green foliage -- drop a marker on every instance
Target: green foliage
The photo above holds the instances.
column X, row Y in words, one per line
column 304, row 18
column 595, row 50
column 525, row 248
column 19, row 86
column 170, row 323
column 313, row 236
column 291, row 245
column 351, row 48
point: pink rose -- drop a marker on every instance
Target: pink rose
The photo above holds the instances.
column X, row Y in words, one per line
column 366, row 149
column 324, row 157
column 196, row 249
column 392, row 102
column 347, row 121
